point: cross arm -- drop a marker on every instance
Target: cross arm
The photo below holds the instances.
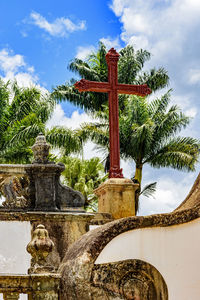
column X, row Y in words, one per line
column 139, row 90
column 92, row 86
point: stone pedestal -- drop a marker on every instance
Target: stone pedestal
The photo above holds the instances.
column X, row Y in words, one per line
column 117, row 197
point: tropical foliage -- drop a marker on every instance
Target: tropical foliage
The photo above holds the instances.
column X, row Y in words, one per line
column 148, row 129
column 94, row 68
column 84, row 176
column 148, row 136
column 24, row 113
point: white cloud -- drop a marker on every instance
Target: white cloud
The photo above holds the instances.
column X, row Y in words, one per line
column 128, row 168
column 83, row 52
column 10, row 62
column 25, row 79
column 140, row 23
column 61, row 27
column 138, row 42
column 162, row 26
column 59, row 119
column 110, row 42
column 169, row 195
column 31, row 69
column 118, row 6
column 13, row 239
column 194, row 76
column 191, row 112
column 6, row 263
column 185, row 103
column 14, row 67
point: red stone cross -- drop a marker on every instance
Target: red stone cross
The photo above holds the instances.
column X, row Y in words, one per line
column 113, row 88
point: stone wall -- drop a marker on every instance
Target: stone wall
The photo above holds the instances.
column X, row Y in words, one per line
column 156, row 251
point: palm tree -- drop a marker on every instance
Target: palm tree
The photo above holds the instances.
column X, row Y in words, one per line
column 147, row 129
column 94, row 68
column 148, row 136
column 84, row 176
column 23, row 115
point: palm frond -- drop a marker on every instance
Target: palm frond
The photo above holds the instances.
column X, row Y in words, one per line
column 83, row 175
column 88, row 101
column 98, row 133
column 180, row 153
column 83, row 70
column 64, row 138
column 130, row 63
column 159, row 106
column 155, row 79
column 149, row 190
column 171, row 123
column 21, row 134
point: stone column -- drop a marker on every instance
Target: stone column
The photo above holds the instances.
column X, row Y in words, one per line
column 117, row 197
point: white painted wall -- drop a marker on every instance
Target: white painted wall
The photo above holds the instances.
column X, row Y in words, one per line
column 174, row 251
column 14, row 237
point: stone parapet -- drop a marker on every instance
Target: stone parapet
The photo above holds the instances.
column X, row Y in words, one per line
column 64, row 228
column 40, row 287
column 117, row 197
column 10, row 215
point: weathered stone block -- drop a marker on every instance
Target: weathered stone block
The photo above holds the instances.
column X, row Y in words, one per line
column 117, row 197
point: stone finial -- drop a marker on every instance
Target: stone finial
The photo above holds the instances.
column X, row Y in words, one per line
column 40, row 150
column 39, row 247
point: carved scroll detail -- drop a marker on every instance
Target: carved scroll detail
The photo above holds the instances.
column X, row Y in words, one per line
column 15, row 190
column 130, row 279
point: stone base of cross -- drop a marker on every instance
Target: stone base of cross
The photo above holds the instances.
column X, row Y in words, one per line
column 113, row 88
column 116, row 197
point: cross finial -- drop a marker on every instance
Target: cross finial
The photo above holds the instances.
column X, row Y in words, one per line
column 112, row 55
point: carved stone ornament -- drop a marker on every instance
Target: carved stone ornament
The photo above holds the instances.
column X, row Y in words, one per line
column 40, row 150
column 37, row 186
column 137, row 287
column 15, row 191
column 131, row 280
column 39, row 247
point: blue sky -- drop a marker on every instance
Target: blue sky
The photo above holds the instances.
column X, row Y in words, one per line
column 48, row 34
column 39, row 38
